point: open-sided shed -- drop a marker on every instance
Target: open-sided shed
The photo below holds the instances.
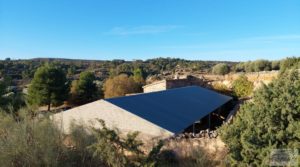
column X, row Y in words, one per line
column 156, row 114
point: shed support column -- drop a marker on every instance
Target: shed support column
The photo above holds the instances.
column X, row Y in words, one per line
column 193, row 129
column 209, row 123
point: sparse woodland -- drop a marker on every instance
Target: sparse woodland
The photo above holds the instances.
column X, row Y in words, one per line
column 29, row 138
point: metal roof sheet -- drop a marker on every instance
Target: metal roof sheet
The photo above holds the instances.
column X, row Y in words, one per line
column 173, row 109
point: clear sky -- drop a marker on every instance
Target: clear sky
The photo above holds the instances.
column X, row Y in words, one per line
column 235, row 30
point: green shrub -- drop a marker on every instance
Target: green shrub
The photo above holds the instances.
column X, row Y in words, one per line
column 275, row 65
column 262, row 65
column 36, row 141
column 29, row 142
column 242, row 87
column 221, row 69
column 289, row 63
column 270, row 121
column 221, row 88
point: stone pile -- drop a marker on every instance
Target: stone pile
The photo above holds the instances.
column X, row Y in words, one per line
column 202, row 134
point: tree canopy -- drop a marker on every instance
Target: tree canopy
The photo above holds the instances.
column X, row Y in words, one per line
column 221, row 69
column 48, row 87
column 84, row 90
column 269, row 121
column 120, row 86
column 2, row 93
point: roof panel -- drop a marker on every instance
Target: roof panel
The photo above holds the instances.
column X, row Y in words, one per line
column 173, row 109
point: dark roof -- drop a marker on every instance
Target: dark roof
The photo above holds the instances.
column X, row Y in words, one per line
column 173, row 109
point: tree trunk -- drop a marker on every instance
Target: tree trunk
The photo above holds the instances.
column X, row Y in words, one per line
column 49, row 106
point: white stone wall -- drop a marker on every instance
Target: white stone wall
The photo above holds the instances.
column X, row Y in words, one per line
column 114, row 117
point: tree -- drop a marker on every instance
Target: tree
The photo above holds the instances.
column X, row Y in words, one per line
column 119, row 86
column 48, row 87
column 221, row 69
column 3, row 88
column 289, row 63
column 275, row 65
column 71, row 71
column 84, row 90
column 138, row 77
column 261, row 65
column 242, row 87
column 269, row 121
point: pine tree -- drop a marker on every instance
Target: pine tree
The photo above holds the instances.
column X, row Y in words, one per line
column 48, row 87
column 85, row 90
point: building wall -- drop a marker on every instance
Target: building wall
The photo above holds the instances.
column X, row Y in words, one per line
column 174, row 83
column 114, row 117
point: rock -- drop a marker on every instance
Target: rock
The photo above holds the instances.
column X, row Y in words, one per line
column 198, row 135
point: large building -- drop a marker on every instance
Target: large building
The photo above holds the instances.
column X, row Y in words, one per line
column 155, row 114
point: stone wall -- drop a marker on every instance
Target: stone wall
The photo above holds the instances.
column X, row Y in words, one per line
column 256, row 77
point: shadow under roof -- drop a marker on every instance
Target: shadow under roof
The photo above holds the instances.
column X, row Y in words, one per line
column 173, row 109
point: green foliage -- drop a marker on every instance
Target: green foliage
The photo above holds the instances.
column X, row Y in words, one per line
column 138, row 76
column 71, row 71
column 219, row 87
column 289, row 63
column 256, row 66
column 28, row 142
column 221, row 69
column 242, row 87
column 48, row 87
column 270, row 120
column 262, row 65
column 3, row 88
column 110, row 148
column 10, row 101
column 84, row 90
column 120, row 86
column 275, row 65
column 25, row 69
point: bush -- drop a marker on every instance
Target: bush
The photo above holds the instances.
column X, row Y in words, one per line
column 30, row 142
column 221, row 69
column 289, row 63
column 221, row 88
column 256, row 66
column 262, row 65
column 36, row 141
column 275, row 65
column 242, row 87
column 270, row 121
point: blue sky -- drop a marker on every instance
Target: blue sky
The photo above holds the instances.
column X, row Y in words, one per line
column 234, row 30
